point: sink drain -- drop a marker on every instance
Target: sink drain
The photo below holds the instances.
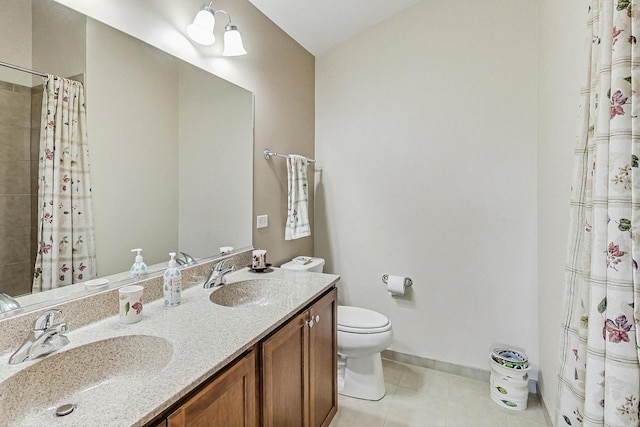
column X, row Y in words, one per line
column 65, row 409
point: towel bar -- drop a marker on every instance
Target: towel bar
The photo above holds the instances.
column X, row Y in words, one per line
column 269, row 154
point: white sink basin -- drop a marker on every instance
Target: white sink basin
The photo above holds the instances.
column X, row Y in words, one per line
column 94, row 372
column 255, row 292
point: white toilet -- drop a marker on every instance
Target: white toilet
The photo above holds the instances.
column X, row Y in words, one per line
column 362, row 335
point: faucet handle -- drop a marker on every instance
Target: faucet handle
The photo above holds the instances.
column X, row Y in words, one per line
column 59, row 328
column 220, row 265
column 45, row 320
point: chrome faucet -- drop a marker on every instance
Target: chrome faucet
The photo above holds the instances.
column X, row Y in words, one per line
column 44, row 338
column 188, row 259
column 7, row 303
column 217, row 276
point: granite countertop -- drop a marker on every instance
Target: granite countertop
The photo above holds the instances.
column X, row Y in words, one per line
column 201, row 338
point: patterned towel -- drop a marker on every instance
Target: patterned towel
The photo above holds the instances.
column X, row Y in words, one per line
column 297, row 203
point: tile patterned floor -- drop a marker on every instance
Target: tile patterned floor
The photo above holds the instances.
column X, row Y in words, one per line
column 421, row 397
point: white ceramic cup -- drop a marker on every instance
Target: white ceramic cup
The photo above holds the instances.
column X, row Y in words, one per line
column 130, row 299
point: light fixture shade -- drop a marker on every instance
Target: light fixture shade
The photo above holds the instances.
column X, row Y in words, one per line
column 233, row 42
column 201, row 31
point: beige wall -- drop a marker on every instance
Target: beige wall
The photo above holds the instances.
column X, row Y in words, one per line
column 58, row 40
column 561, row 45
column 215, row 153
column 145, row 199
column 41, row 35
column 15, row 45
column 279, row 72
column 426, row 131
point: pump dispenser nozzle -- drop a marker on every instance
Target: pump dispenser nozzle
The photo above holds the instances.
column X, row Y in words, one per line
column 139, row 256
column 172, row 261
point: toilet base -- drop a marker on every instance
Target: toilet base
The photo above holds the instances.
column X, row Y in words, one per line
column 361, row 377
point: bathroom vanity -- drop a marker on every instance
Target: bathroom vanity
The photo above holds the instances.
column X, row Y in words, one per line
column 287, row 379
column 261, row 352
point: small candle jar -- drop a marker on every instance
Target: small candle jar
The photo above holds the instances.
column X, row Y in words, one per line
column 259, row 259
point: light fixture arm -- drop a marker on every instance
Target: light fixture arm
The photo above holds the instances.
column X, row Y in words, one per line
column 209, row 8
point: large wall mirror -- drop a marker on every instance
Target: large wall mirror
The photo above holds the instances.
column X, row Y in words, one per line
column 171, row 145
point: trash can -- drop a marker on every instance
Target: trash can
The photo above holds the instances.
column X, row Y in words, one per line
column 509, row 380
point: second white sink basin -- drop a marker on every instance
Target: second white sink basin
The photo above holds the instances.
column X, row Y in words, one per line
column 98, row 371
column 256, row 292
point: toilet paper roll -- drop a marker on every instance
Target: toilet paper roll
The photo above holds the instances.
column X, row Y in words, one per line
column 395, row 285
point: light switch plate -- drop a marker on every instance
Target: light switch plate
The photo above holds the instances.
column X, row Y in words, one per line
column 262, row 221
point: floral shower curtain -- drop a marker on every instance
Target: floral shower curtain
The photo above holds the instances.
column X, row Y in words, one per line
column 66, row 241
column 599, row 378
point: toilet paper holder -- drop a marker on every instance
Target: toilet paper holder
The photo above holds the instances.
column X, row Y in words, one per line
column 407, row 280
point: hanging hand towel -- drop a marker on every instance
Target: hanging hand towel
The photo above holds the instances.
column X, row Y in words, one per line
column 297, row 209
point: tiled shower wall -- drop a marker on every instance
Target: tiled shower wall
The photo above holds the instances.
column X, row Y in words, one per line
column 18, row 187
column 36, row 113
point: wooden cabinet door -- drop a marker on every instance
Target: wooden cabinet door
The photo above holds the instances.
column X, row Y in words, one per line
column 299, row 364
column 323, row 392
column 284, row 375
column 229, row 400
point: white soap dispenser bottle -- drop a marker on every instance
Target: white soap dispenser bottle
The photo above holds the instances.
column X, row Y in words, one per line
column 139, row 268
column 172, row 286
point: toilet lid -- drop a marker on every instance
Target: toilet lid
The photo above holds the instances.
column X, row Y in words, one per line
column 361, row 320
column 300, row 266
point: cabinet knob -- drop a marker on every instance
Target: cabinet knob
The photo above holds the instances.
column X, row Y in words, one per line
column 313, row 320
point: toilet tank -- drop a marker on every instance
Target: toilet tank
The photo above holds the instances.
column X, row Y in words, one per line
column 305, row 263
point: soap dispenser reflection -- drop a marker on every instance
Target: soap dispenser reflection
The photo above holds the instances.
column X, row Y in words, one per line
column 139, row 268
column 172, row 283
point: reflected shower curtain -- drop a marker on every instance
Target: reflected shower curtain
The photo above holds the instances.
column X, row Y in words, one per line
column 66, row 241
column 599, row 378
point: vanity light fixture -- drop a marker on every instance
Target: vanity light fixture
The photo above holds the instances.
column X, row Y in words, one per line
column 201, row 31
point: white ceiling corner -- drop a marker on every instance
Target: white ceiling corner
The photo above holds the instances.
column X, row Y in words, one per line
column 319, row 25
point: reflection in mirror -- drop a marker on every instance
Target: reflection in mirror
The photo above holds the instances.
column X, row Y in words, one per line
column 171, row 145
column 64, row 220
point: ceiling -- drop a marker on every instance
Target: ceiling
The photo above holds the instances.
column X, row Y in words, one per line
column 319, row 25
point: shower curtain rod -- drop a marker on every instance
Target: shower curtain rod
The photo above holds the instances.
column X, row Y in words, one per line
column 26, row 70
column 269, row 154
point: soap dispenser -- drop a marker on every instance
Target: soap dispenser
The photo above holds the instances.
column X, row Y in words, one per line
column 172, row 285
column 139, row 268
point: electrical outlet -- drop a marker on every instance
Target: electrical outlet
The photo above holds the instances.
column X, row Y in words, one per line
column 262, row 221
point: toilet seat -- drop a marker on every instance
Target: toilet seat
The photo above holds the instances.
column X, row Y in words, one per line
column 358, row 320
